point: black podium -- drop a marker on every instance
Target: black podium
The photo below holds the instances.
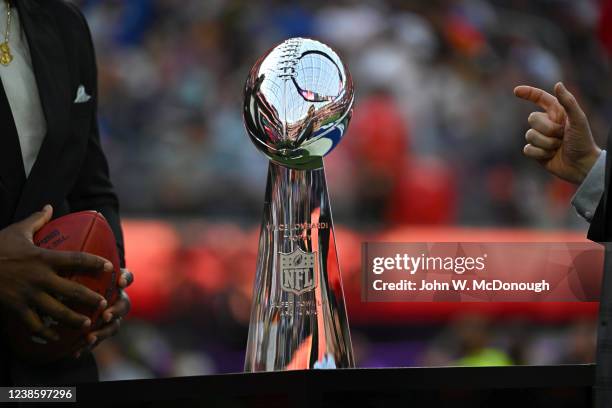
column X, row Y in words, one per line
column 519, row 386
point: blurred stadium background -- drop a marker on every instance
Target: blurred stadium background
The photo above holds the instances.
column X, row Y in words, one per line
column 433, row 153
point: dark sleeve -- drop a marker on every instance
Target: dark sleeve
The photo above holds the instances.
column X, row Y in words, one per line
column 93, row 189
column 598, row 229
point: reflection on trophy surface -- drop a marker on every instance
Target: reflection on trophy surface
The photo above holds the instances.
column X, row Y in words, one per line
column 298, row 102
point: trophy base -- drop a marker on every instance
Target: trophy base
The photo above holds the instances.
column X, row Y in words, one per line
column 298, row 317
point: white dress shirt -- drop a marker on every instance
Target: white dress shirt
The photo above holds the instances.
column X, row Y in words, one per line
column 589, row 193
column 21, row 90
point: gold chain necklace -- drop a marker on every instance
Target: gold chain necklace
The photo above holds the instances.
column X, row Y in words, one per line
column 5, row 51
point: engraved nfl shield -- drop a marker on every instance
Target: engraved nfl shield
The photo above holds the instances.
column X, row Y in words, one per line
column 298, row 271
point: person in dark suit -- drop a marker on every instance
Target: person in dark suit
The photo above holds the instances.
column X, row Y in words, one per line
column 51, row 164
column 560, row 140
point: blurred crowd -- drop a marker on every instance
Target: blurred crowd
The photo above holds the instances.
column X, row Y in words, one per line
column 436, row 139
column 437, row 134
column 145, row 350
column 192, row 299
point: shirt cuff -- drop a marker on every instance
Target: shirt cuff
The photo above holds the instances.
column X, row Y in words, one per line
column 589, row 193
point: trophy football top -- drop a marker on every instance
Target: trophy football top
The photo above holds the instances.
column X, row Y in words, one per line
column 298, row 100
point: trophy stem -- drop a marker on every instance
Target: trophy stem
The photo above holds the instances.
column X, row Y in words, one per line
column 298, row 317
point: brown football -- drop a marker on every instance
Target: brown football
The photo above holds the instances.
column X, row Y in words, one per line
column 85, row 231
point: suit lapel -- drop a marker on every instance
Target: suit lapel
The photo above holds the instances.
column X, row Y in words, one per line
column 12, row 174
column 52, row 78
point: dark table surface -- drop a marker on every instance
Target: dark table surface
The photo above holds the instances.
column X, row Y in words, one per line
column 517, row 386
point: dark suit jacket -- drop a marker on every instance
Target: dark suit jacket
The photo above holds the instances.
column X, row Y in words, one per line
column 71, row 171
column 601, row 231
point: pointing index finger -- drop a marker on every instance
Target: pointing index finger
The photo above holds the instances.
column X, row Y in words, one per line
column 543, row 99
column 536, row 95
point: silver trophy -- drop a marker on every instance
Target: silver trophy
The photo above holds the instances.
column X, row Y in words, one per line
column 297, row 105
